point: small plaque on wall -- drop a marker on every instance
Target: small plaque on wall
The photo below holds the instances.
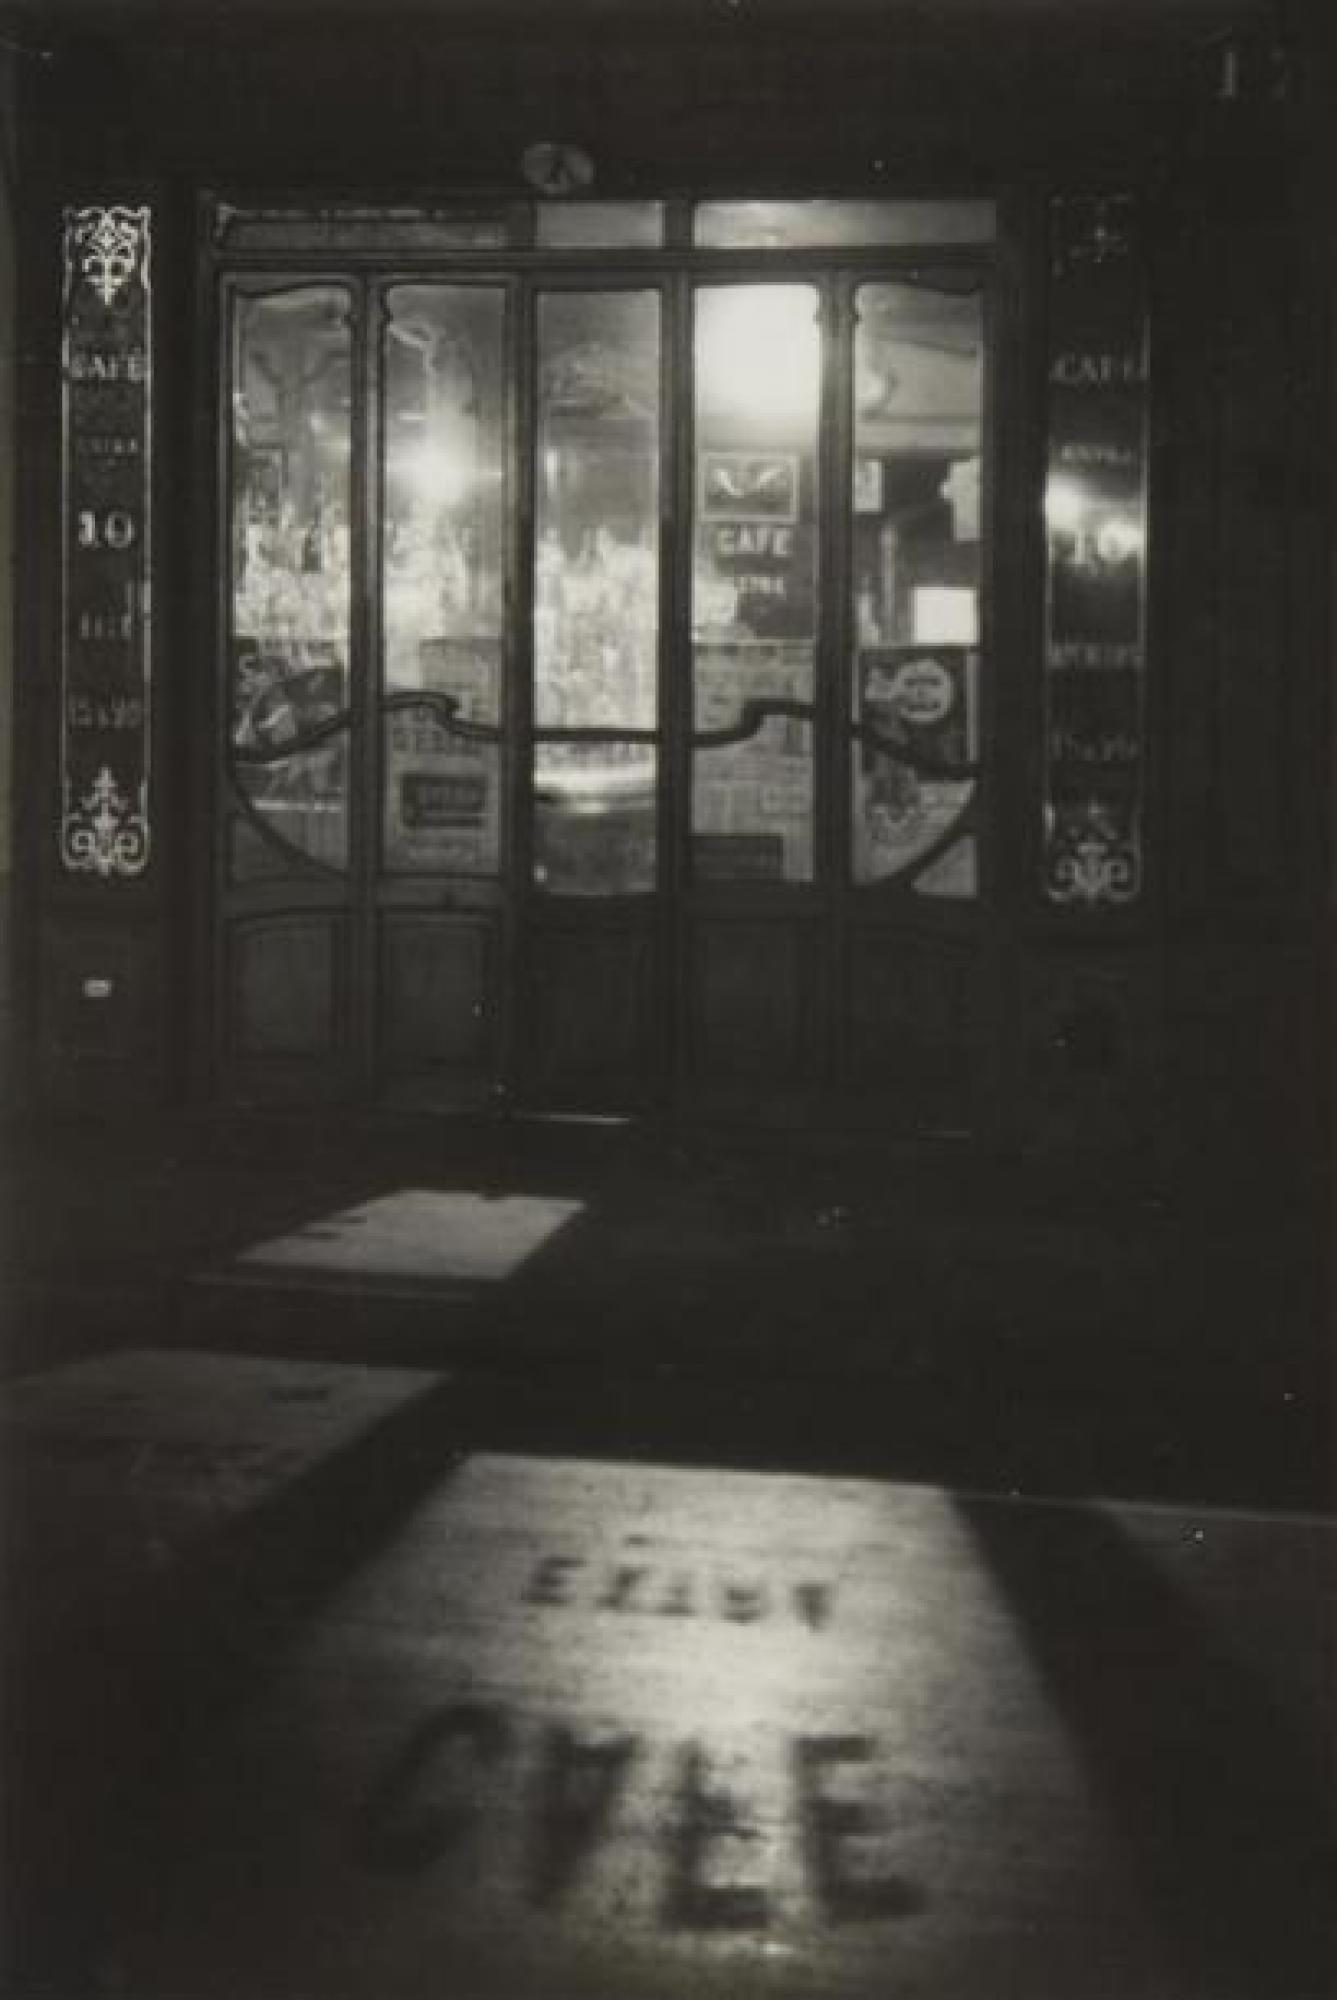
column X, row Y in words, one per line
column 106, row 465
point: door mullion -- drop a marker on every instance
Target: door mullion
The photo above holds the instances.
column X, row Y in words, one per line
column 220, row 762
column 1011, row 614
column 364, row 747
column 519, row 703
column 677, row 665
column 835, row 651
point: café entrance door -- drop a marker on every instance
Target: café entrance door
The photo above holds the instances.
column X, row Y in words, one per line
column 608, row 715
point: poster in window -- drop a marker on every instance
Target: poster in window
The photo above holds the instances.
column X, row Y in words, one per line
column 749, row 486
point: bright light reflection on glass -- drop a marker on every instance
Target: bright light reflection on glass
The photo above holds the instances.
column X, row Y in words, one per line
column 1104, row 531
column 1118, row 538
column 1065, row 505
column 758, row 350
column 436, row 476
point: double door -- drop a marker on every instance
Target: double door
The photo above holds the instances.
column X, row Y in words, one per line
column 607, row 705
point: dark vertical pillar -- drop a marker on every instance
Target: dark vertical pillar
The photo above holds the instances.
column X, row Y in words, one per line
column 8, row 392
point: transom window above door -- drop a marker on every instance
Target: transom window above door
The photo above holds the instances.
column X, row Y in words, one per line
column 592, row 223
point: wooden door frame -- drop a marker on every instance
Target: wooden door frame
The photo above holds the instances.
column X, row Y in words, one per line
column 828, row 906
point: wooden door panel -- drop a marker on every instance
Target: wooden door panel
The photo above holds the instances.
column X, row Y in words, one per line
column 916, row 1028
column 437, row 993
column 588, row 1008
column 753, row 999
column 286, row 1008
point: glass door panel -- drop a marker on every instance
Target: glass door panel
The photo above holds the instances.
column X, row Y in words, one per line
column 505, row 922
column 289, row 603
column 596, row 593
column 915, row 574
column 754, row 581
column 443, row 577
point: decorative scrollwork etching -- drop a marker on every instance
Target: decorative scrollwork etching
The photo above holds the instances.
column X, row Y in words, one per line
column 1092, row 863
column 107, row 537
column 1096, row 507
column 1092, row 230
column 114, row 245
column 106, row 834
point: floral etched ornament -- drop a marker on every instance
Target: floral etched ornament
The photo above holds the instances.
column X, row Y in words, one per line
column 112, row 241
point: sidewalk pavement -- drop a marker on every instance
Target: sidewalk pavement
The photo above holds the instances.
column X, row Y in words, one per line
column 309, row 1694
column 1028, row 1326
column 414, row 1584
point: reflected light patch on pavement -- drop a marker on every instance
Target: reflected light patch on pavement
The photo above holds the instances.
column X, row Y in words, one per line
column 590, row 1728
column 420, row 1235
column 614, row 1730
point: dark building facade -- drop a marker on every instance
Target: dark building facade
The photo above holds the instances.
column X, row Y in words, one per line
column 769, row 561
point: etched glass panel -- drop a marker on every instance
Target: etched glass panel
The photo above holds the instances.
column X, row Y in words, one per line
column 915, row 575
column 754, row 581
column 346, row 227
column 106, row 537
column 1095, row 726
column 289, row 642
column 596, row 591
column 787, row 225
column 580, row 225
column 443, row 577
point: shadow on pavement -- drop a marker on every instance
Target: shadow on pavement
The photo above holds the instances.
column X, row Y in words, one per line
column 1226, row 1805
column 103, row 1714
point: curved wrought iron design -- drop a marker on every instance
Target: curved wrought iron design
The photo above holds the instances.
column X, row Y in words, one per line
column 912, row 829
column 596, row 733
column 261, row 754
column 289, row 850
column 962, row 827
column 446, row 709
column 753, row 715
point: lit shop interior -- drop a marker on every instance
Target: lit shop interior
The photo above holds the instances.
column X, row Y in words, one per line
column 911, row 527
column 552, row 600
